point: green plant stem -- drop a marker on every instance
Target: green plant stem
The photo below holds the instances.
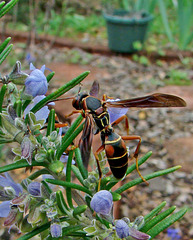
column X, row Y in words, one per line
column 7, row 7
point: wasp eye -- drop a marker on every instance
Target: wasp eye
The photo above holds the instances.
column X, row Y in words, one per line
column 75, row 104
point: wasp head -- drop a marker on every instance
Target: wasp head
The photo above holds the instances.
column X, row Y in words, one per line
column 78, row 100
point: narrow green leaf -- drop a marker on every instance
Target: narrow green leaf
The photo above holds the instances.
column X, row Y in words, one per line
column 5, row 53
column 51, row 122
column 7, row 7
column 2, row 94
column 77, row 173
column 80, row 164
column 116, row 196
column 21, row 164
column 60, row 91
column 18, row 108
column 161, row 226
column 154, row 212
column 38, row 173
column 157, row 219
column 49, row 190
column 163, row 13
column 147, row 177
column 61, row 203
column 70, row 185
column 130, row 169
column 4, row 44
column 68, row 179
column 78, row 210
column 69, row 136
column 2, row 4
column 50, row 76
column 70, row 229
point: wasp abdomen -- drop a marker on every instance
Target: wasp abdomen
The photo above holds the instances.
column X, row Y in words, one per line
column 116, row 153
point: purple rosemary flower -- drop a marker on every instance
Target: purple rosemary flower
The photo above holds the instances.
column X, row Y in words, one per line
column 43, row 113
column 8, row 191
column 34, row 188
column 36, row 83
column 116, row 113
column 173, row 233
column 122, row 229
column 56, row 230
column 102, row 202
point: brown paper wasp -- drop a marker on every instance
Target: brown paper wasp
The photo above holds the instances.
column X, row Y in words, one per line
column 95, row 109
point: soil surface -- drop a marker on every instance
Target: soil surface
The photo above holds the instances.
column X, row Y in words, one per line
column 167, row 132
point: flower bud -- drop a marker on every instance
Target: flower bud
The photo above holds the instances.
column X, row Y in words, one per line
column 56, row 230
column 122, row 229
column 102, row 202
column 34, row 189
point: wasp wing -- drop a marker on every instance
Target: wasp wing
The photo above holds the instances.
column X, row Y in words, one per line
column 155, row 100
column 85, row 142
column 94, row 89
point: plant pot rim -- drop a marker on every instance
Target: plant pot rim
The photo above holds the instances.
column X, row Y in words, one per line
column 114, row 18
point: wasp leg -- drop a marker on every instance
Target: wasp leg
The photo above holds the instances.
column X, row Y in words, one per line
column 134, row 137
column 100, row 149
column 73, row 112
column 119, row 120
column 105, row 97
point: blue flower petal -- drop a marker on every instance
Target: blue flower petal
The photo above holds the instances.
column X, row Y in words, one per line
column 5, row 208
column 102, row 202
column 122, row 229
column 7, row 181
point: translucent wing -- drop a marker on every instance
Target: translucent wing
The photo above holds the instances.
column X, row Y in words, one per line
column 94, row 89
column 85, row 142
column 155, row 100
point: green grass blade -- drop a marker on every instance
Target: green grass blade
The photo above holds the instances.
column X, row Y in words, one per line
column 7, row 7
column 163, row 13
column 4, row 44
column 69, row 184
column 60, row 91
column 157, row 219
column 147, row 177
column 161, row 226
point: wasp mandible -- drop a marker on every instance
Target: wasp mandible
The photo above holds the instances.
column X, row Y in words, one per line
column 95, row 109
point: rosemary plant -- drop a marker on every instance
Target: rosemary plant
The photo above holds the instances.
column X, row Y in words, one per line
column 48, row 202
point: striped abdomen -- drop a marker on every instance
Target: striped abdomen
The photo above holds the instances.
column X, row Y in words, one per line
column 116, row 153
